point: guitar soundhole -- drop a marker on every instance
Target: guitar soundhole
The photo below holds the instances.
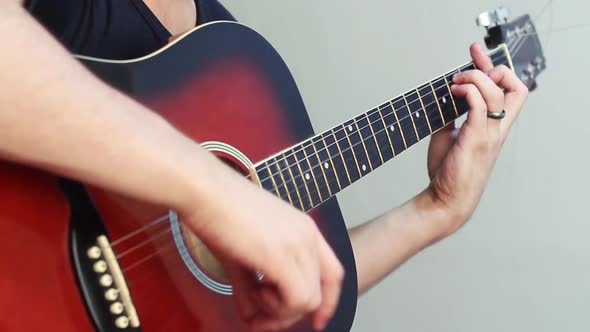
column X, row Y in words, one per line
column 203, row 264
column 203, row 256
column 199, row 250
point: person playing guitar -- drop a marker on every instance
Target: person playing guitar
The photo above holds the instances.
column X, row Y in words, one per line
column 59, row 117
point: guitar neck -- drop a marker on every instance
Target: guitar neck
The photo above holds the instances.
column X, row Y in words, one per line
column 315, row 170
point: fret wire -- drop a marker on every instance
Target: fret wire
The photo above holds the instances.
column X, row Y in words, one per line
column 424, row 109
column 273, row 179
column 381, row 137
column 281, row 186
column 451, row 94
column 321, row 168
column 363, row 144
column 305, row 167
column 399, row 125
column 446, row 104
column 387, row 132
column 296, row 185
column 371, row 146
column 341, row 156
column 430, row 103
column 313, row 175
column 326, row 184
column 353, row 152
column 411, row 117
column 501, row 51
column 399, row 121
column 273, row 188
column 436, row 99
column 383, row 129
column 325, row 159
column 332, row 163
column 437, row 104
column 375, row 138
column 285, row 183
column 304, row 181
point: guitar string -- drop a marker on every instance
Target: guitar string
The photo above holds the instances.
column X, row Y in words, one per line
column 358, row 131
column 168, row 246
column 166, row 230
column 444, row 76
column 139, row 230
column 164, row 218
column 371, row 123
column 409, row 103
column 519, row 48
column 400, row 123
column 298, row 186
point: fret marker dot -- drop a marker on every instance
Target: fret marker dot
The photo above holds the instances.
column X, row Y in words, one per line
column 417, row 114
column 392, row 128
column 307, row 177
column 326, row 165
column 350, row 128
column 444, row 100
column 364, row 167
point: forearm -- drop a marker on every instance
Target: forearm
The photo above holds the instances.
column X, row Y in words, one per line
column 384, row 243
column 58, row 116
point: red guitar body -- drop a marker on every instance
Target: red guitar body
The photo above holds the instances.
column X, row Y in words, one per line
column 221, row 82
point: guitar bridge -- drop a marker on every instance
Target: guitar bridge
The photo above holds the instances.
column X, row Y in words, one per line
column 101, row 282
column 110, row 277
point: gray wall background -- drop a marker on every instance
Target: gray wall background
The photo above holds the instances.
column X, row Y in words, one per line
column 521, row 263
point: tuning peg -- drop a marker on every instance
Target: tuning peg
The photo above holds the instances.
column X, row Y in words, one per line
column 493, row 18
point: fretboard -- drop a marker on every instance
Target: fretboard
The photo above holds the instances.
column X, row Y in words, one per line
column 309, row 173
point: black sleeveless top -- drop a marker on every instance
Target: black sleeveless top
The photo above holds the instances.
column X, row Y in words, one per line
column 112, row 29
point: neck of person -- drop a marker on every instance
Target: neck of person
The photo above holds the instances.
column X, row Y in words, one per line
column 177, row 16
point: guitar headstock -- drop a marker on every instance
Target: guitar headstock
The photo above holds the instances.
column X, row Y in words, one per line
column 521, row 39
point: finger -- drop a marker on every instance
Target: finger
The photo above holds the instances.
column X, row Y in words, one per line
column 481, row 59
column 270, row 298
column 273, row 317
column 332, row 274
column 244, row 289
column 516, row 91
column 298, row 285
column 477, row 115
column 507, row 79
column 490, row 91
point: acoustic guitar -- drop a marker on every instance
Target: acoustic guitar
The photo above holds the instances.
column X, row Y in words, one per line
column 78, row 258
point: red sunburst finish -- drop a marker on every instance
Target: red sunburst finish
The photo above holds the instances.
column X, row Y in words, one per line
column 231, row 99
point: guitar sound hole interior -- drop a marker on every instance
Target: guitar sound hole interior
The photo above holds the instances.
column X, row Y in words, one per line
column 204, row 266
column 203, row 257
column 199, row 250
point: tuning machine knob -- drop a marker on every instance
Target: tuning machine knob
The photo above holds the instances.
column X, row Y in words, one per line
column 493, row 18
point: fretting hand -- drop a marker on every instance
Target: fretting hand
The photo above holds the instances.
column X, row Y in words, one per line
column 459, row 163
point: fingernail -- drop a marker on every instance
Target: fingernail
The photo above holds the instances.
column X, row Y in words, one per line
column 456, row 77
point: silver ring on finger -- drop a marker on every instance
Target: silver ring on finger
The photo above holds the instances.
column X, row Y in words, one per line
column 497, row 115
